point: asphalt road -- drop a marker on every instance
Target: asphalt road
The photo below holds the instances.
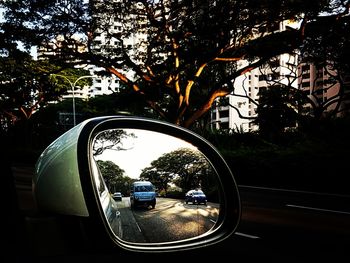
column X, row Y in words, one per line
column 292, row 226
column 170, row 220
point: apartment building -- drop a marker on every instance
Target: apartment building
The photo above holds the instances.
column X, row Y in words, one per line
column 325, row 92
column 104, row 41
column 53, row 49
column 237, row 111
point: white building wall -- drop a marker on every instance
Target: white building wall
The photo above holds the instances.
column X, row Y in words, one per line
column 108, row 85
column 249, row 84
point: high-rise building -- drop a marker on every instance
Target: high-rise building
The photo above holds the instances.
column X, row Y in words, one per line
column 238, row 110
column 103, row 43
column 324, row 90
column 105, row 40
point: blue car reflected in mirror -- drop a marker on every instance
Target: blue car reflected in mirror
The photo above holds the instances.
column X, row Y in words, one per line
column 196, row 197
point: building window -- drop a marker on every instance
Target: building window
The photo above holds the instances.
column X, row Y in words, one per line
column 224, row 125
column 262, row 77
column 274, row 64
column 223, row 101
column 305, row 84
column 305, row 68
column 306, row 76
column 319, row 83
column 240, row 104
column 224, row 113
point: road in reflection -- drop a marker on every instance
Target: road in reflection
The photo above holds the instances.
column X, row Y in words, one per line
column 171, row 220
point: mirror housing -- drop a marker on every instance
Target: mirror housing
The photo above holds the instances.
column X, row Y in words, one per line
column 63, row 182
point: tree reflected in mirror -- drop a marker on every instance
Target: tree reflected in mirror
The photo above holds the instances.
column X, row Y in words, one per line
column 174, row 167
column 185, row 168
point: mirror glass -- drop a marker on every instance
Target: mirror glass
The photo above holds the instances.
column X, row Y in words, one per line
column 160, row 188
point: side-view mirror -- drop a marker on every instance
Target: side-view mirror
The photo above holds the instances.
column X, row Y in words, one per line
column 145, row 185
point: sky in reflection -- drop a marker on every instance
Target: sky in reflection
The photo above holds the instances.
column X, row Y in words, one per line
column 142, row 150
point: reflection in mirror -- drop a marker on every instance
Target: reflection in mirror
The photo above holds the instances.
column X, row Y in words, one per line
column 162, row 188
column 110, row 210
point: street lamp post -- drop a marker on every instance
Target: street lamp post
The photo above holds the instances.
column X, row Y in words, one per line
column 72, row 85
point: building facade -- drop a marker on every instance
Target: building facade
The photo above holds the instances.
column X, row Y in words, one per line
column 327, row 95
column 237, row 111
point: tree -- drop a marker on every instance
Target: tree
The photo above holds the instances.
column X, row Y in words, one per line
column 186, row 168
column 110, row 140
column 277, row 111
column 26, row 86
column 124, row 102
column 112, row 174
column 327, row 46
column 21, row 88
column 189, row 52
column 114, row 177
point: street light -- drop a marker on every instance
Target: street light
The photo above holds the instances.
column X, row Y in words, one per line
column 72, row 85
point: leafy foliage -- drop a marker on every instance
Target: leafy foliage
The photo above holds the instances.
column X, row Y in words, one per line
column 185, row 168
column 188, row 53
column 112, row 174
column 276, row 111
column 110, row 140
column 26, row 86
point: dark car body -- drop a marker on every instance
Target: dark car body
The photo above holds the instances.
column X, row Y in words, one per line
column 196, row 197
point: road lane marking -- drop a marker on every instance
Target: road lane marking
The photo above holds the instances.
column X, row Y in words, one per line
column 138, row 226
column 318, row 209
column 293, row 191
column 246, row 235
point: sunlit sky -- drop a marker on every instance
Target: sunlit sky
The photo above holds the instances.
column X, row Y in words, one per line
column 148, row 146
column 1, row 15
column 33, row 50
